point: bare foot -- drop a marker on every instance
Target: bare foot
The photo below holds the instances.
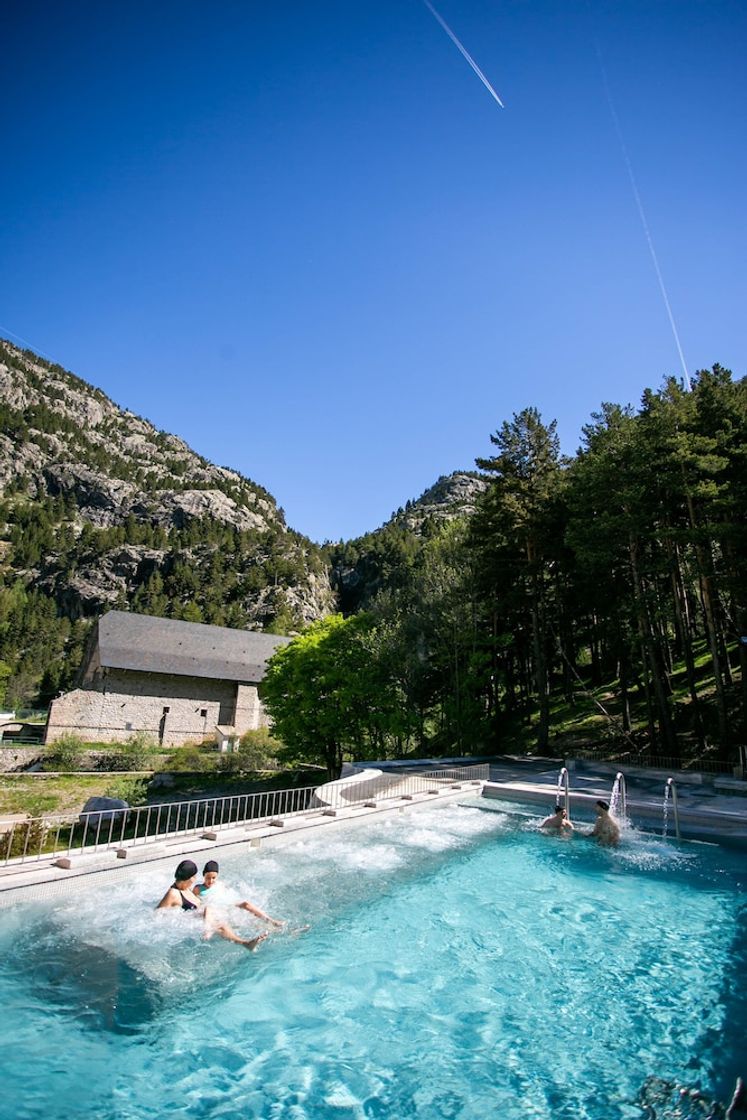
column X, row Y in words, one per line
column 252, row 945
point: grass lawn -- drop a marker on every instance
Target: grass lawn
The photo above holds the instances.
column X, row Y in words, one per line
column 41, row 794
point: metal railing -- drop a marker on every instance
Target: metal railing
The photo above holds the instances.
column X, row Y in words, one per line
column 52, row 836
column 702, row 764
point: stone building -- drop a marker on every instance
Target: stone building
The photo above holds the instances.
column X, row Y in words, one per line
column 174, row 681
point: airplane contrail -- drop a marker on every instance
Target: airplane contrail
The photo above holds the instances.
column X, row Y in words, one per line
column 642, row 216
column 465, row 53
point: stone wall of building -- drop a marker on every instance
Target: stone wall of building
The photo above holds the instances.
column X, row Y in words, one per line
column 249, row 713
column 170, row 709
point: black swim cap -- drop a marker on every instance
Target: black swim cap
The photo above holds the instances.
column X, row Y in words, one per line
column 185, row 870
column 603, row 805
column 211, row 865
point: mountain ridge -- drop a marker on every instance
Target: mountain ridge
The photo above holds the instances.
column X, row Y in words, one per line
column 101, row 510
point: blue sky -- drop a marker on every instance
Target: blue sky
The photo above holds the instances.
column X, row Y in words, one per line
column 304, row 237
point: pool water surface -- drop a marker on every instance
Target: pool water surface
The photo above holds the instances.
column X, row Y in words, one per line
column 459, row 965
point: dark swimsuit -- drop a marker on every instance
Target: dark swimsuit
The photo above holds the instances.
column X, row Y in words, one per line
column 186, row 904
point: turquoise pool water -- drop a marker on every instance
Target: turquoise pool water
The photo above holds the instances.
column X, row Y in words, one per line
column 458, row 965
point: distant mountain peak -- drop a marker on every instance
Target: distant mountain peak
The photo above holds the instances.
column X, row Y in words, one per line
column 65, row 436
column 451, row 496
column 103, row 509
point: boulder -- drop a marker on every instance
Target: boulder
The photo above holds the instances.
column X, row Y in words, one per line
column 104, row 810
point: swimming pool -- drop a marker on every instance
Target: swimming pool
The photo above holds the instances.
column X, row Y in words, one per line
column 459, row 965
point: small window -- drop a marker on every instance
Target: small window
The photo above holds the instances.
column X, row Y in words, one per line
column 166, row 711
column 203, row 713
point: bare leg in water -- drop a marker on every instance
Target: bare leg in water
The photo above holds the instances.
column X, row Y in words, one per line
column 214, row 925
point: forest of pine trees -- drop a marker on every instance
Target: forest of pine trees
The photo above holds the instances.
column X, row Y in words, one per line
column 589, row 600
column 205, row 572
column 610, row 585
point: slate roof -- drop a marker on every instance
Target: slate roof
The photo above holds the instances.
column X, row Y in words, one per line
column 188, row 649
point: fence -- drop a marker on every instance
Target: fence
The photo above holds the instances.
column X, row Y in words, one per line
column 104, row 829
column 702, row 764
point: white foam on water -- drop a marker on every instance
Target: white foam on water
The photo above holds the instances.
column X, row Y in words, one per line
column 489, row 968
column 339, row 1096
column 123, row 920
column 304, row 882
column 448, row 826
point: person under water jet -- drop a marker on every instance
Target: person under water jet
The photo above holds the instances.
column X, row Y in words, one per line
column 606, row 830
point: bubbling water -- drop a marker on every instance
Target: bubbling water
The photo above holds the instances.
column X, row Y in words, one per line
column 445, row 932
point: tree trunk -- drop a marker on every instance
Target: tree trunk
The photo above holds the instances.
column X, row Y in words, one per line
column 684, row 637
column 707, row 597
column 540, row 659
column 624, row 672
column 651, row 659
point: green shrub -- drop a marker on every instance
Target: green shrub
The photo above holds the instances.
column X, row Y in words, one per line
column 65, row 755
column 132, row 790
column 136, row 753
column 258, row 750
column 192, row 759
column 260, row 747
column 232, row 763
column 28, row 839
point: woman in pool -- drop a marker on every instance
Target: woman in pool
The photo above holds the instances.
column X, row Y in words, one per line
column 209, row 891
column 181, row 894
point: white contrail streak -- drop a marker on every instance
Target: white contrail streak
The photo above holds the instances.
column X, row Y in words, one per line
column 26, row 342
column 465, row 53
column 642, row 215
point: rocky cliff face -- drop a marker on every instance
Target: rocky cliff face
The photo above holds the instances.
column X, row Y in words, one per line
column 452, row 496
column 109, row 470
column 99, row 509
column 69, row 438
column 378, row 561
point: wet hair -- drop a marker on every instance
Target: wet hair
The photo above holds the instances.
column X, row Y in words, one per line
column 211, row 865
column 186, row 870
column 604, row 805
column 559, row 807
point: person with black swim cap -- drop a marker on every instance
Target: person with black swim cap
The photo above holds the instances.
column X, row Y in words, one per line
column 181, row 894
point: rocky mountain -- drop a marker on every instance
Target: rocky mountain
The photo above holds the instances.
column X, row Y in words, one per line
column 380, row 560
column 100, row 509
column 63, row 436
column 452, row 496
